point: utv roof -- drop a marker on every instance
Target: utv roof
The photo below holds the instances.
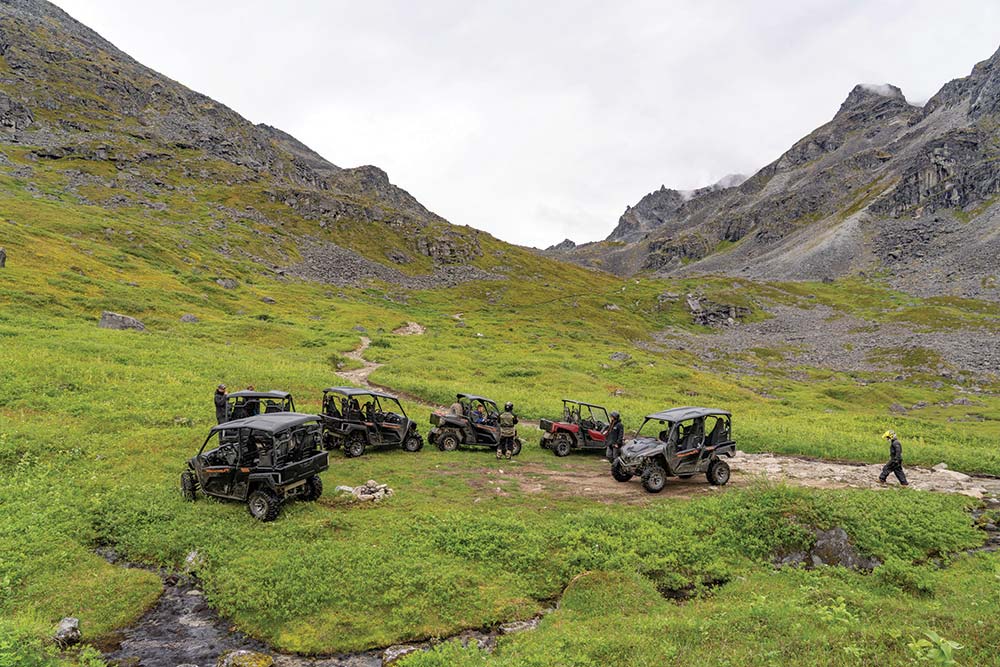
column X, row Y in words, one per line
column 354, row 391
column 260, row 394
column 681, row 414
column 590, row 405
column 473, row 397
column 269, row 423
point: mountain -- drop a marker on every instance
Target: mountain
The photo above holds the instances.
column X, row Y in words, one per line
column 83, row 121
column 884, row 186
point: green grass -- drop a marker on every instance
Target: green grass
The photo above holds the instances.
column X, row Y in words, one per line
column 95, row 426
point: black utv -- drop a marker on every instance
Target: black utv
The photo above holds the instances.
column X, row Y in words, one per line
column 250, row 403
column 472, row 421
column 263, row 461
column 690, row 441
column 360, row 419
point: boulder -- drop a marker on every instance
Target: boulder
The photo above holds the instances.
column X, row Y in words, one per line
column 119, row 322
column 360, row 329
column 244, row 659
column 268, row 300
column 612, row 307
column 620, row 356
column 397, row 652
column 832, row 547
column 227, row 283
column 3, row 257
column 68, row 633
column 189, row 318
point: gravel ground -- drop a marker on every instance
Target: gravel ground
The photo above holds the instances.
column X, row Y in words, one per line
column 821, row 337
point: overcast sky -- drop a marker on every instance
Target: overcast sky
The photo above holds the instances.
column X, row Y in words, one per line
column 540, row 120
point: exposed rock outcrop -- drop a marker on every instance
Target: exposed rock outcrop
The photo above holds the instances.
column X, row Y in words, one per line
column 119, row 322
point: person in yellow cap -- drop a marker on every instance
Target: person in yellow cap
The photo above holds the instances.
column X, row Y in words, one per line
column 895, row 464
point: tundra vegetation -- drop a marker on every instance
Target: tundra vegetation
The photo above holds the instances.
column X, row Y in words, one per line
column 95, row 426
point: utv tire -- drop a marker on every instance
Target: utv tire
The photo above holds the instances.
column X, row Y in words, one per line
column 562, row 446
column 413, row 443
column 314, row 489
column 619, row 473
column 448, row 441
column 718, row 473
column 515, row 448
column 654, row 479
column 263, row 505
column 355, row 446
column 189, row 485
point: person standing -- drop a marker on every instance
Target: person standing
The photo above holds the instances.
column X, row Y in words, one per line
column 221, row 404
column 508, row 431
column 895, row 464
column 614, row 439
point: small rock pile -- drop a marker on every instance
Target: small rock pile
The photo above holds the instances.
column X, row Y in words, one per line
column 370, row 491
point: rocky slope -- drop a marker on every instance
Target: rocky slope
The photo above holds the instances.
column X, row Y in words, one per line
column 884, row 186
column 76, row 110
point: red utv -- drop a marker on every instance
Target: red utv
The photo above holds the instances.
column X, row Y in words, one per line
column 583, row 427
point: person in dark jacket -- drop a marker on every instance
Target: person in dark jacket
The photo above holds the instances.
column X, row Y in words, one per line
column 614, row 439
column 221, row 404
column 508, row 431
column 895, row 464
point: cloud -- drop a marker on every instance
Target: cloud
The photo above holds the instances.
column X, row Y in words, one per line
column 535, row 121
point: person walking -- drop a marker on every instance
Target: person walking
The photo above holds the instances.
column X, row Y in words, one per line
column 614, row 439
column 221, row 404
column 508, row 431
column 895, row 464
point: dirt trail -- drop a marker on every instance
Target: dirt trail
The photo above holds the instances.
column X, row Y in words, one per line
column 359, row 376
column 588, row 476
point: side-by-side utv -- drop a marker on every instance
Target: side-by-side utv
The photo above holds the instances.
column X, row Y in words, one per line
column 690, row 441
column 262, row 461
column 473, row 421
column 583, row 427
column 360, row 419
column 250, row 403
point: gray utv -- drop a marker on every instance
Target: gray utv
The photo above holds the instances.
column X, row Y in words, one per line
column 690, row 441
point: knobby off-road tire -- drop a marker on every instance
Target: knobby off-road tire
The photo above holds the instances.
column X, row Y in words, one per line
column 189, row 485
column 413, row 443
column 314, row 488
column 718, row 473
column 355, row 446
column 654, row 479
column 619, row 473
column 563, row 445
column 263, row 505
column 515, row 448
column 448, row 441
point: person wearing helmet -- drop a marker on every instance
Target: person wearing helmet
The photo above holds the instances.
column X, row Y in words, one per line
column 508, row 431
column 614, row 439
column 895, row 464
column 221, row 404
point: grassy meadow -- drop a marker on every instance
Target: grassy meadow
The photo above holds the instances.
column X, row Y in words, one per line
column 95, row 426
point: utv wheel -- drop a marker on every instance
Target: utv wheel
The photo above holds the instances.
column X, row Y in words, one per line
column 189, row 485
column 562, row 446
column 515, row 448
column 314, row 488
column 263, row 505
column 619, row 473
column 718, row 473
column 654, row 479
column 413, row 443
column 355, row 446
column 448, row 441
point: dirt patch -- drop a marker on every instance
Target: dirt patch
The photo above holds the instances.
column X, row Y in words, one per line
column 411, row 329
column 590, row 477
column 359, row 376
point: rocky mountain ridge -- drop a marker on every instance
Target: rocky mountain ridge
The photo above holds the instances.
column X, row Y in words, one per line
column 69, row 98
column 884, row 186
